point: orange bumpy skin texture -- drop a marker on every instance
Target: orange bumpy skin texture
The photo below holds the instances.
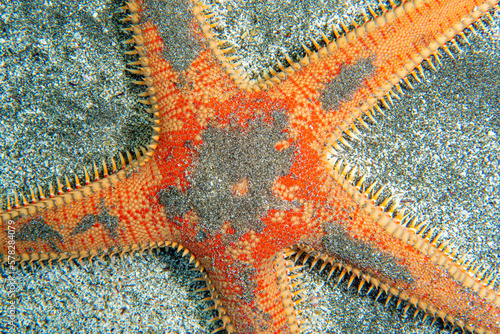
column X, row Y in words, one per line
column 237, row 177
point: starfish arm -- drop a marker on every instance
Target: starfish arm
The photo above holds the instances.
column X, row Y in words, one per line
column 408, row 268
column 115, row 214
column 360, row 69
column 255, row 296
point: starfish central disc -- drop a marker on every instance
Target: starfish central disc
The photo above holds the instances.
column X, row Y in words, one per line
column 232, row 176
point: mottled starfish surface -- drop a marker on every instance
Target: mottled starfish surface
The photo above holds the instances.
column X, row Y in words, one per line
column 239, row 175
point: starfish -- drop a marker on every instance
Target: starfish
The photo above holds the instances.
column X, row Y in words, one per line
column 241, row 174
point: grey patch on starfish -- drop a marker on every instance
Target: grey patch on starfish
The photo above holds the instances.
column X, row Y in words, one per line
column 262, row 319
column 174, row 202
column 109, row 222
column 247, row 281
column 37, row 229
column 344, row 84
column 174, row 21
column 362, row 255
column 226, row 158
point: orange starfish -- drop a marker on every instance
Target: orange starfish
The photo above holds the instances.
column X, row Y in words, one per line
column 238, row 176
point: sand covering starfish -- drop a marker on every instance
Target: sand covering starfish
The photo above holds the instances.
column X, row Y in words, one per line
column 242, row 174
